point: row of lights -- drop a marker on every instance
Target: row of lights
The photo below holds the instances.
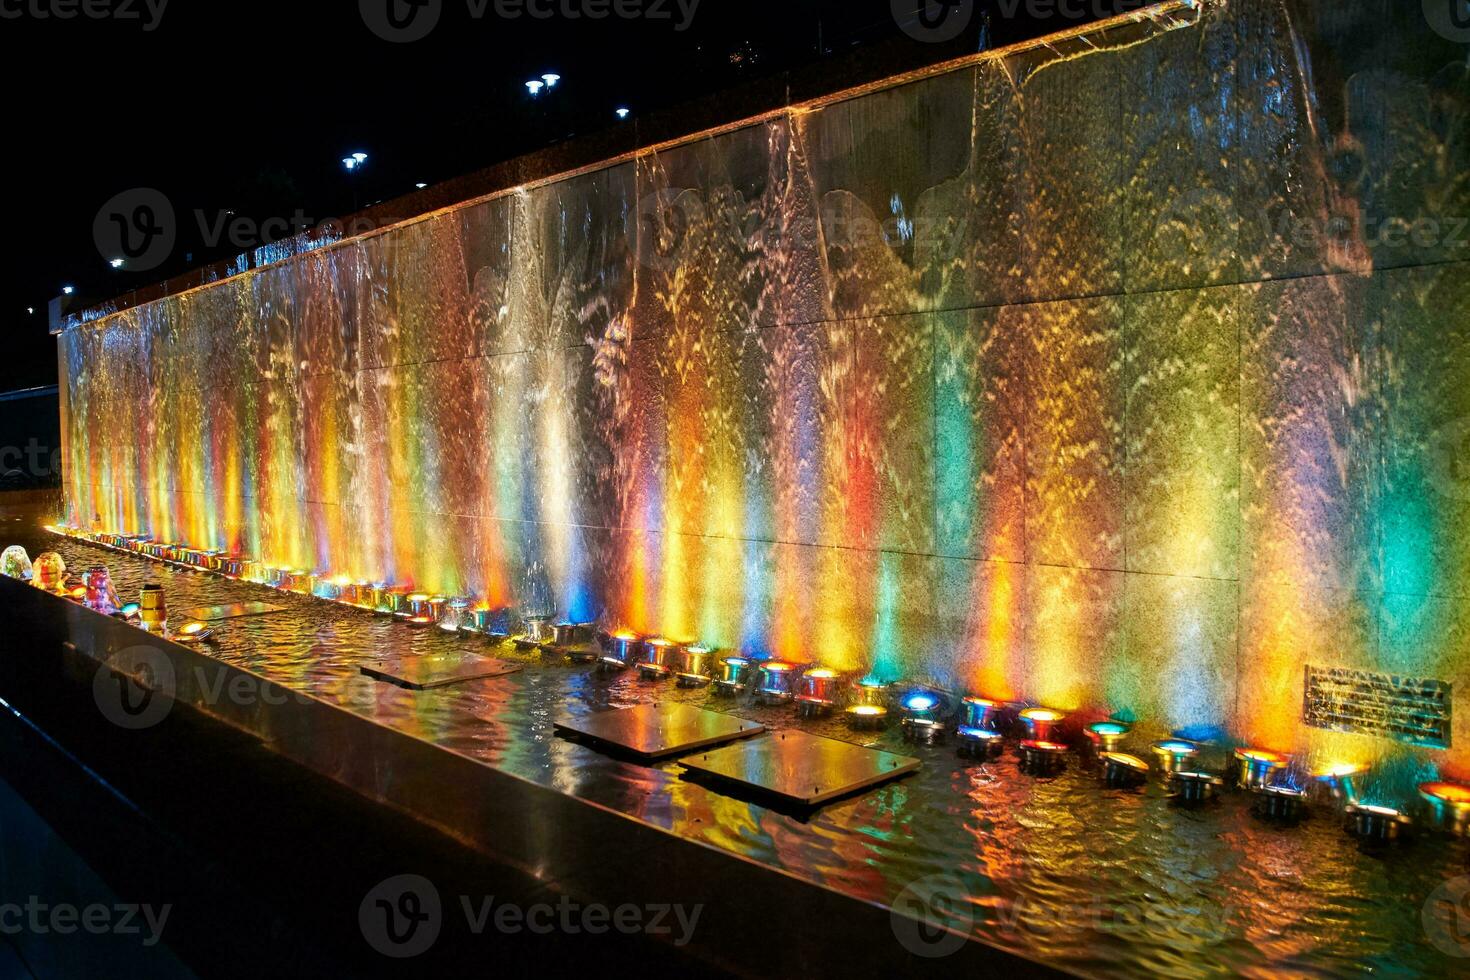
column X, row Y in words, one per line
column 816, row 691
column 549, row 81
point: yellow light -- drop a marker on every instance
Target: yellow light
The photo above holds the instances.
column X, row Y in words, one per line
column 822, row 674
column 1041, row 714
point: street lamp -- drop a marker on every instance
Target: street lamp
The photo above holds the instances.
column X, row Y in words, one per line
column 623, row 113
column 535, row 85
column 551, row 78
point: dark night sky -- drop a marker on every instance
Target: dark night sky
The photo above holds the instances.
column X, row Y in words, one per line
column 251, row 106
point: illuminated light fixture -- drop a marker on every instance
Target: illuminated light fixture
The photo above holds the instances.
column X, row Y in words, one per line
column 1196, row 787
column 497, row 624
column 695, row 670
column 871, row 692
column 775, row 677
column 1123, row 771
column 438, row 606
column 624, row 112
column 298, row 580
column 984, row 744
column 867, row 717
column 658, row 659
column 1175, row 755
column 418, row 607
column 981, row 713
column 923, row 731
column 117, row 263
column 1041, row 723
column 536, row 631
column 359, row 158
column 48, row 572
column 535, row 85
column 733, row 674
column 153, row 609
column 1042, row 758
column 1376, row 824
column 420, row 186
column 68, row 290
column 620, row 651
column 569, row 634
column 131, row 611
column 100, row 596
column 818, row 693
column 1106, row 736
column 1341, row 781
column 1449, row 804
column 1256, row 767
column 193, row 633
column 456, row 615
column 920, row 705
column 551, row 78
column 1281, row 801
column 349, row 163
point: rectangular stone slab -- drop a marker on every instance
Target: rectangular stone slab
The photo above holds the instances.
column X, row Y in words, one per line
column 428, row 673
column 804, row 769
column 235, row 610
column 655, row 731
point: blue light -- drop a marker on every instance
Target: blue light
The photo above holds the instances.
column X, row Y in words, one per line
column 920, row 702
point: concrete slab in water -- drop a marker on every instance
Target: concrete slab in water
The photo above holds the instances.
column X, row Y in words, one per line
column 805, row 769
column 428, row 673
column 656, row 731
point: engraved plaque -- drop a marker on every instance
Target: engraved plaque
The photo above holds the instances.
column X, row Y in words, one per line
column 1415, row 710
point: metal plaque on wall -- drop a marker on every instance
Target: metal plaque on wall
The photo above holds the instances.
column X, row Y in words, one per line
column 1415, row 710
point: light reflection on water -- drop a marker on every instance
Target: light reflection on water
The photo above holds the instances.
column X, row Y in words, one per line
column 1107, row 882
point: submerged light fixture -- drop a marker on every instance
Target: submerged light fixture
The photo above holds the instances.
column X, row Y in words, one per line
column 982, row 744
column 1341, row 781
column 1281, row 801
column 1123, row 771
column 774, row 682
column 1255, row 768
column 1107, row 736
column 620, row 651
column 921, row 722
column 867, row 717
column 1042, row 758
column 1175, row 755
column 733, row 674
column 1194, row 787
column 1041, row 723
column 981, row 713
column 818, row 693
column 658, row 658
column 1449, row 805
column 1376, row 824
column 694, row 671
